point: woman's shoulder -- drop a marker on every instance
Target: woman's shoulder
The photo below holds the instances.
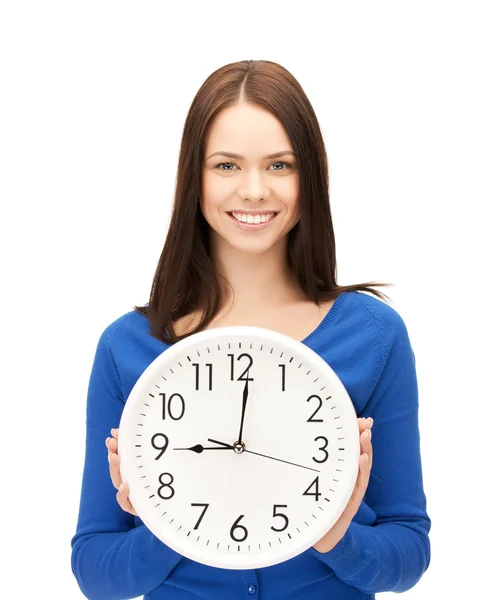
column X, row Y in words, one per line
column 369, row 316
column 125, row 327
column 381, row 313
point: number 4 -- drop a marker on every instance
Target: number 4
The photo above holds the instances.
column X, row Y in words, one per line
column 316, row 493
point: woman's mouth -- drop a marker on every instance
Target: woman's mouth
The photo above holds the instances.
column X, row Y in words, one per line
column 252, row 226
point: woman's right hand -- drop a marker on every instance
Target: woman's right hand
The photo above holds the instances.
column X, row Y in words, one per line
column 114, row 469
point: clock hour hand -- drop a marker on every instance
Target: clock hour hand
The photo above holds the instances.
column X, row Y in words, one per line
column 221, row 443
column 198, row 448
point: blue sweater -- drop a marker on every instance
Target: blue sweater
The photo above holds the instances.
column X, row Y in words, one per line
column 386, row 547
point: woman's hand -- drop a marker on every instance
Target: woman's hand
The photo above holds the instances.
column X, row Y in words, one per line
column 336, row 533
column 114, row 469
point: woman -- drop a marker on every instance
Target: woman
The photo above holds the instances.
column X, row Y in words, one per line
column 251, row 148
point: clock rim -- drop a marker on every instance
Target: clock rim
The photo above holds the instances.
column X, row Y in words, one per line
column 211, row 556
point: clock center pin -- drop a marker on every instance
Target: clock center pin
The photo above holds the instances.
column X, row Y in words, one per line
column 239, row 447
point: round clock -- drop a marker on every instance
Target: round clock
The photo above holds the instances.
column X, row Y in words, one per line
column 240, row 446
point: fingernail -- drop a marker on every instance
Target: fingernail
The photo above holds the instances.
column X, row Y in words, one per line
column 372, row 421
column 109, row 457
column 121, row 487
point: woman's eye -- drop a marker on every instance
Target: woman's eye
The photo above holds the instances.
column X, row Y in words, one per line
column 286, row 165
column 224, row 164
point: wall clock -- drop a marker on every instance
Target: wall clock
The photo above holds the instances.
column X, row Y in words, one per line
column 240, row 446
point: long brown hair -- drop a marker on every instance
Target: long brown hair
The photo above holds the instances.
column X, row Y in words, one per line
column 185, row 279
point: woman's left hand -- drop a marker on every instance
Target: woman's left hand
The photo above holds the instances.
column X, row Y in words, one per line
column 336, row 533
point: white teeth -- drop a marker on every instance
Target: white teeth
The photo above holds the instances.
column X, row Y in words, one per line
column 252, row 219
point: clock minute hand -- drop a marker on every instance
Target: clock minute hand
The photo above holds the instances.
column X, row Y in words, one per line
column 245, row 399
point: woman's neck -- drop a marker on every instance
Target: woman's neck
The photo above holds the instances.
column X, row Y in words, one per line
column 257, row 279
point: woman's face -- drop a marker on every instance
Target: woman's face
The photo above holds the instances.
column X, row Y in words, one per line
column 251, row 182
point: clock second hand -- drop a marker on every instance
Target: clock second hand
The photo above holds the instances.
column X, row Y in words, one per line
column 198, row 448
column 264, row 455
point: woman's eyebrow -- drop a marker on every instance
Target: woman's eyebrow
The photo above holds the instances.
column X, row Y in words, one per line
column 238, row 156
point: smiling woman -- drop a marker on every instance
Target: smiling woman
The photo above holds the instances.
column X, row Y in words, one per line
column 258, row 225
column 256, row 115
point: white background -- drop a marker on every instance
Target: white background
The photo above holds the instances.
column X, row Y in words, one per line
column 92, row 103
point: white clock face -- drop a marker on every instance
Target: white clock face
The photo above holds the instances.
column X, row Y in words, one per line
column 214, row 499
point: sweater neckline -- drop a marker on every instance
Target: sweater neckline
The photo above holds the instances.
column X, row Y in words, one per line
column 327, row 320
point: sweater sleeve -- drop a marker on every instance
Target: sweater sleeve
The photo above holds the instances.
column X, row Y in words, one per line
column 392, row 554
column 111, row 557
